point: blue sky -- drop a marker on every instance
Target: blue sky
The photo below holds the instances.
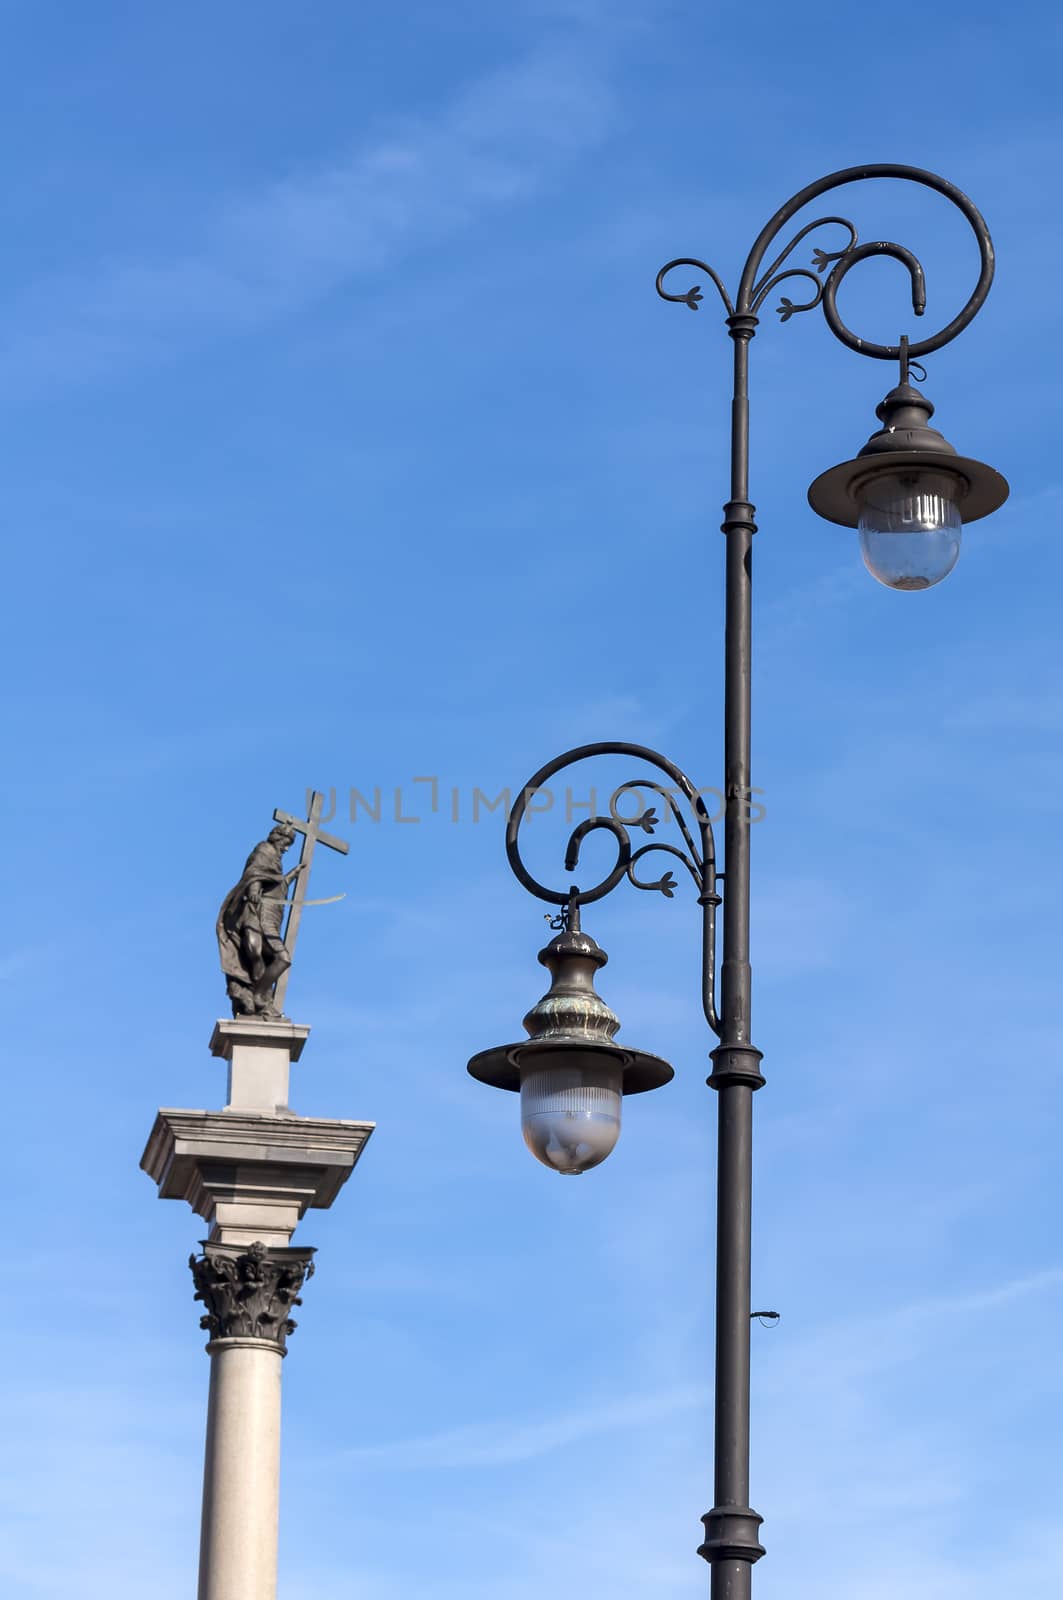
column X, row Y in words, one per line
column 346, row 442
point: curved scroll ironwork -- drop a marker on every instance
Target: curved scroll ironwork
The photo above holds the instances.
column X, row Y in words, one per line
column 863, row 252
column 769, row 279
column 757, row 282
column 699, row 856
column 692, row 296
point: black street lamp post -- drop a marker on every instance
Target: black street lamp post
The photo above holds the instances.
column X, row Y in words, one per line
column 909, row 493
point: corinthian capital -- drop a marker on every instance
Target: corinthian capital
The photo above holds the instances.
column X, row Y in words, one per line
column 248, row 1292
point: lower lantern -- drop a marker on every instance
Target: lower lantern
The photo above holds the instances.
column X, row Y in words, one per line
column 570, row 1074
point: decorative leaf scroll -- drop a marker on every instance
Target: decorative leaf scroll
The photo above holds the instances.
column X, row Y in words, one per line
column 787, row 308
column 636, row 786
column 772, row 276
column 771, row 279
column 691, row 297
column 821, row 259
column 666, row 885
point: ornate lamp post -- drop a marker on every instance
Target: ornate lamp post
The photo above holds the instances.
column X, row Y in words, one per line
column 909, row 493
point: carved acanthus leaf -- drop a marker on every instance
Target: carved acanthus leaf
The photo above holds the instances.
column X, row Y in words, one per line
column 248, row 1293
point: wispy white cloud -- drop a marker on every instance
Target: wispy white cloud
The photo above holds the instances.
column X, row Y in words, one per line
column 857, row 1346
column 267, row 254
column 500, row 1443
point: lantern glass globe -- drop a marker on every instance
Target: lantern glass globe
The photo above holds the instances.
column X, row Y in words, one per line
column 570, row 1109
column 910, row 527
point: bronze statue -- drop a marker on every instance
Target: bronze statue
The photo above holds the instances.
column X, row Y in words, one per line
column 255, row 953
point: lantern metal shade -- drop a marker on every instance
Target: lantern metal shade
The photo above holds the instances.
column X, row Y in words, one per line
column 906, row 444
column 571, row 1020
column 501, row 1067
column 837, row 493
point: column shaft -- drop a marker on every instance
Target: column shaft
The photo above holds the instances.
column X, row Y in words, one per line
column 241, row 1479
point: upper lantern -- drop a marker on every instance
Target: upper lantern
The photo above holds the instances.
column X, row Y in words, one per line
column 909, row 494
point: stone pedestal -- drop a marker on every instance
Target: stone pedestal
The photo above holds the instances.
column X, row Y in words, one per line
column 251, row 1170
column 260, row 1055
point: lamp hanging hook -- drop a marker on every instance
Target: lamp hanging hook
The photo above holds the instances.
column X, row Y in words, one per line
column 908, row 366
column 567, row 919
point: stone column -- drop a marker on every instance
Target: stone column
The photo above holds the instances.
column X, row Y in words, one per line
column 247, row 1295
column 251, row 1169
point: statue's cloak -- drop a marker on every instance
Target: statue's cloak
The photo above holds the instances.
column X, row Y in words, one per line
column 263, row 866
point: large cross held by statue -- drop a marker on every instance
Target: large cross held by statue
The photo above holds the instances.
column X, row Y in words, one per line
column 312, row 837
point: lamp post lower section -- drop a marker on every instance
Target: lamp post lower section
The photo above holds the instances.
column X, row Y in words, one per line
column 731, row 1542
column 241, row 1477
